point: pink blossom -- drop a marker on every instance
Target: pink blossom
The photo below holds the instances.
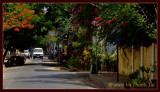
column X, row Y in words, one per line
column 98, row 18
column 75, row 21
column 61, row 33
column 108, row 22
column 76, row 25
column 93, row 22
column 96, row 9
column 80, row 7
column 78, row 10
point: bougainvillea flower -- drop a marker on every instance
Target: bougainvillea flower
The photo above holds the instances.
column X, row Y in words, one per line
column 121, row 16
column 22, row 14
column 29, row 18
column 36, row 15
column 61, row 33
column 15, row 17
column 80, row 7
column 123, row 24
column 75, row 21
column 13, row 25
column 18, row 22
column 16, row 29
column 102, row 23
column 96, row 9
column 12, row 19
column 98, row 18
column 27, row 11
column 26, row 25
column 108, row 22
column 114, row 19
column 24, row 22
column 4, row 13
column 93, row 22
column 24, row 4
column 5, row 26
column 23, row 26
column 10, row 23
column 96, row 24
column 78, row 10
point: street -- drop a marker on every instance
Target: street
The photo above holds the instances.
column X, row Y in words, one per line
column 43, row 74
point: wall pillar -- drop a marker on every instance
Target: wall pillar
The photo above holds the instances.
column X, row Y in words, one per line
column 152, row 59
column 141, row 59
column 132, row 59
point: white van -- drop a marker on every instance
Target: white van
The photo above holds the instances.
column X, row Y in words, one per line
column 38, row 53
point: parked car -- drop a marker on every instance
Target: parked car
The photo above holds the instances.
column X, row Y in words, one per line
column 38, row 53
column 26, row 53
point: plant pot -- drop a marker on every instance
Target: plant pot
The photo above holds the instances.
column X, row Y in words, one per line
column 93, row 69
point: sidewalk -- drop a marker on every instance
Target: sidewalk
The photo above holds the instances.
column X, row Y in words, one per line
column 107, row 80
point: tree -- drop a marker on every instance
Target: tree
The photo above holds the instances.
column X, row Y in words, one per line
column 22, row 26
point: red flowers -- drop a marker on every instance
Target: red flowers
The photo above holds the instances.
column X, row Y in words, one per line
column 114, row 19
column 36, row 15
column 5, row 26
column 27, row 11
column 22, row 14
column 108, row 22
column 15, row 17
column 16, row 29
column 10, row 23
column 4, row 13
column 44, row 11
column 121, row 16
column 98, row 18
column 29, row 18
column 123, row 24
column 23, row 26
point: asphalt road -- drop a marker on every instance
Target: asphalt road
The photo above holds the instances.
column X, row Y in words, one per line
column 43, row 74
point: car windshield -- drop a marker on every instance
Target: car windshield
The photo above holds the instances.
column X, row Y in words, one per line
column 38, row 50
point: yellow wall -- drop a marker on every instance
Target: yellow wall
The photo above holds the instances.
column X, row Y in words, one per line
column 126, row 63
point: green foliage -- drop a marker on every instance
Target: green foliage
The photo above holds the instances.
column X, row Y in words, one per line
column 74, row 61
